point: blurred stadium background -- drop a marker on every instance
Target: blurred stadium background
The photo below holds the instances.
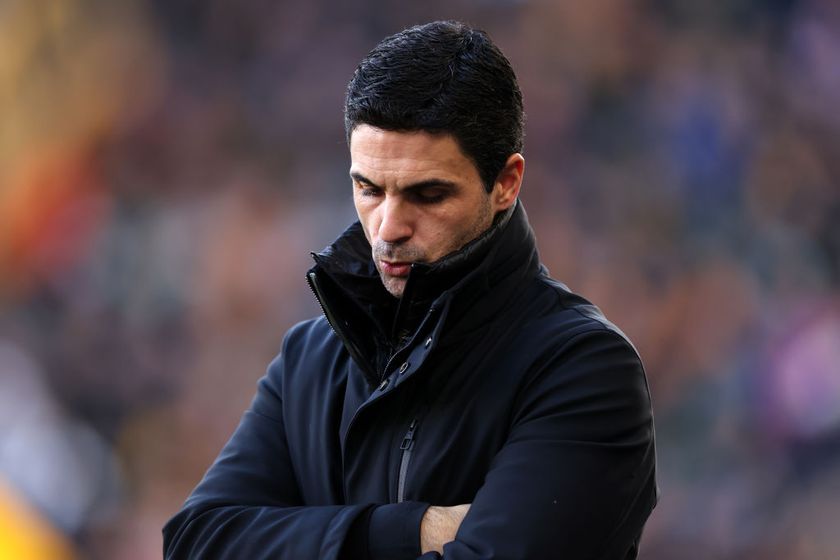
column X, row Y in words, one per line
column 166, row 167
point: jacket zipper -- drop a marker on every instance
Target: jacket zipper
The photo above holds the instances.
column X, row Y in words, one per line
column 406, row 447
column 352, row 348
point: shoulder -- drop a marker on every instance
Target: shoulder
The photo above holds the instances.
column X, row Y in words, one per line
column 579, row 361
column 565, row 318
column 311, row 331
column 311, row 334
column 306, row 345
column 568, row 341
column 309, row 361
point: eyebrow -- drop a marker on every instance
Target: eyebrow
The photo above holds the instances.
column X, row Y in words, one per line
column 419, row 185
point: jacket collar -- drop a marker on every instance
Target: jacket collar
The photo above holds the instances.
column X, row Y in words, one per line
column 471, row 283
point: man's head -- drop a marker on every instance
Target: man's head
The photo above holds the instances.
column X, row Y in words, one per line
column 434, row 124
column 441, row 77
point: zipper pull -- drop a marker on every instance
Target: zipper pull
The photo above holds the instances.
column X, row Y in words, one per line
column 408, row 440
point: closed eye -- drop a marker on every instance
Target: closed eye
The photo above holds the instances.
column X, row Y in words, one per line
column 427, row 192
column 429, row 196
column 367, row 189
column 370, row 191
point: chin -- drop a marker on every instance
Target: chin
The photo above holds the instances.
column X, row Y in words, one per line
column 394, row 286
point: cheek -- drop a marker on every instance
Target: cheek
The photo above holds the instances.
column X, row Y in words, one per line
column 442, row 237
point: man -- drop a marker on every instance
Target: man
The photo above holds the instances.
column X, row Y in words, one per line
column 453, row 399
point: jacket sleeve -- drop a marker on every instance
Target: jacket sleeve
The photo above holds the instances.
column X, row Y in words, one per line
column 248, row 505
column 575, row 478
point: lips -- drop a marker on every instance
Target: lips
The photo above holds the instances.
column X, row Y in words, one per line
column 399, row 269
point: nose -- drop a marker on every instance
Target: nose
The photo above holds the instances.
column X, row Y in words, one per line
column 396, row 225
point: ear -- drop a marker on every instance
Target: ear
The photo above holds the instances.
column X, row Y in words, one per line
column 508, row 182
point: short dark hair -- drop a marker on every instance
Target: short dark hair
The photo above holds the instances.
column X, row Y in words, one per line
column 441, row 77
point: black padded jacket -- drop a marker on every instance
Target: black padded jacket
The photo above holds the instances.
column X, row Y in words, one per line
column 488, row 383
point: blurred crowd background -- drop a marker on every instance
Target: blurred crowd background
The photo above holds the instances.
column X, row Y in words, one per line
column 167, row 166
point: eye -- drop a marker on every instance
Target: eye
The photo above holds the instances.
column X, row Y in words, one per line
column 368, row 190
column 429, row 196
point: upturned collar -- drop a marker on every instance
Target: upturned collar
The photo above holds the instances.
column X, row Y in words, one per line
column 378, row 323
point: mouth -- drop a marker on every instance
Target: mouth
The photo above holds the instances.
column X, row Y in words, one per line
column 395, row 268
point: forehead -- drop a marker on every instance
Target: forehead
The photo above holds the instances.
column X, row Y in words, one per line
column 391, row 154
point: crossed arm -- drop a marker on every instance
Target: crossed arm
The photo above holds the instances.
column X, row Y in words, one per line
column 574, row 476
